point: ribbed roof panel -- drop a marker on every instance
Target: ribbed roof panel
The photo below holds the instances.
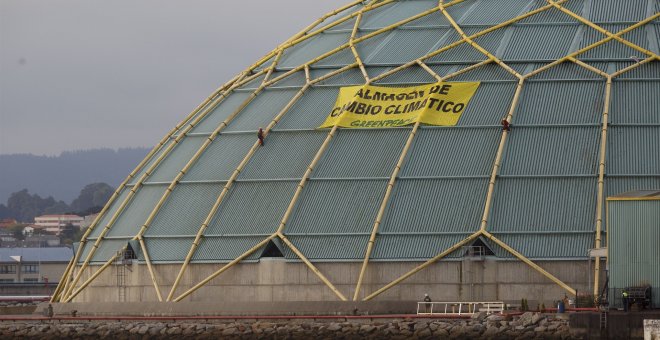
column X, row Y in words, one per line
column 544, row 204
column 195, row 199
column 284, row 155
column 436, row 205
column 337, row 207
column 452, row 152
column 252, row 208
column 379, row 150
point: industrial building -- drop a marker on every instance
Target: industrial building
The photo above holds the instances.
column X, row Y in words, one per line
column 248, row 199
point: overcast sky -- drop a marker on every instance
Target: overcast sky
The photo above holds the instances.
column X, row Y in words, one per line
column 87, row 74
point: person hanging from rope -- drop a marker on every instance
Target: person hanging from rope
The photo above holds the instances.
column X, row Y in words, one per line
column 260, row 135
column 506, row 126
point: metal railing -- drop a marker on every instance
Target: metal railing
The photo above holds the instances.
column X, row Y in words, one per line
column 459, row 308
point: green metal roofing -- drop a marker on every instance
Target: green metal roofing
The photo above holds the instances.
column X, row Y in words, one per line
column 544, row 202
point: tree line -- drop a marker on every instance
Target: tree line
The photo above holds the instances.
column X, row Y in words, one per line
column 24, row 206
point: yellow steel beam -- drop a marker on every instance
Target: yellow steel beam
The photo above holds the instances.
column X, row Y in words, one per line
column 601, row 178
column 424, row 265
column 224, row 268
column 151, row 270
column 529, row 262
column 498, row 157
column 594, row 45
column 153, row 167
column 91, row 278
column 601, row 30
column 233, row 177
column 474, row 44
column 311, row 266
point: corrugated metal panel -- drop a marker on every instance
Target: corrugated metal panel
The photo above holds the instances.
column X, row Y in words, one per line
column 221, row 158
column 437, row 19
column 349, row 77
column 390, row 14
column 554, row 15
column 561, row 103
column 312, row 48
column 552, row 151
column 647, row 71
column 635, row 102
column 108, row 215
column 252, row 208
column 311, row 110
column 613, row 48
column 403, row 45
column 633, row 244
column 489, row 105
column 344, row 26
column 261, row 111
column 482, row 73
column 491, row 12
column 151, row 161
column 602, row 10
column 465, row 52
column 284, row 155
column 167, row 249
column 617, row 185
column 337, row 207
column 107, row 249
column 362, row 153
column 224, row 110
column 185, row 209
column 452, row 152
column 532, row 43
column 567, row 70
column 339, row 59
column 213, row 249
column 437, row 205
column 328, row 247
column 177, row 159
column 297, row 79
column 643, row 140
column 413, row 247
column 410, row 75
column 544, row 204
column 137, row 211
column 543, row 246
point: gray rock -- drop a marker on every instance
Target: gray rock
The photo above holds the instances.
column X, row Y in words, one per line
column 366, row 329
column 479, row 316
column 540, row 329
column 536, row 318
column 424, row 333
column 334, row 327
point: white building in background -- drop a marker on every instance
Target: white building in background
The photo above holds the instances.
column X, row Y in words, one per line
column 55, row 223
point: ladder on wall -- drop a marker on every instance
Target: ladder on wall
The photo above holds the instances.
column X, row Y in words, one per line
column 120, row 265
column 603, row 318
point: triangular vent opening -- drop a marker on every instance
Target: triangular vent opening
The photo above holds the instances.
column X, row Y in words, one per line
column 272, row 250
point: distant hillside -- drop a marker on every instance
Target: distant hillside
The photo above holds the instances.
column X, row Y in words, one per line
column 63, row 176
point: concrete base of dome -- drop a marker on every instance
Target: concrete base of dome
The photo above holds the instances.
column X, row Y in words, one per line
column 276, row 280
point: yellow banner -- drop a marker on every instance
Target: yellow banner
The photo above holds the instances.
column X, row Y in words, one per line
column 367, row 106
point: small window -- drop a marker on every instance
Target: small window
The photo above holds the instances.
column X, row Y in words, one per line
column 30, row 268
column 8, row 269
column 6, row 280
column 30, row 279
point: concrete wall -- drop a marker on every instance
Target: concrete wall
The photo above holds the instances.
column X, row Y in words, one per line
column 278, row 280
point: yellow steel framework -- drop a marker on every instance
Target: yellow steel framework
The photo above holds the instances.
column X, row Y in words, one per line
column 68, row 287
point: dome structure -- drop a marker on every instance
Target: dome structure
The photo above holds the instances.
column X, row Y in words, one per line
column 567, row 112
